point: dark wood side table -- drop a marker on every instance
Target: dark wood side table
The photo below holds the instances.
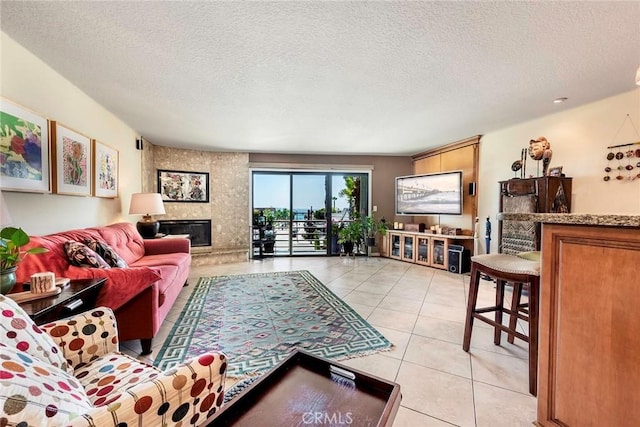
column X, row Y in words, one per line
column 78, row 296
column 305, row 389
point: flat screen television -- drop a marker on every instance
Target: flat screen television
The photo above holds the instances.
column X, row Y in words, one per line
column 430, row 194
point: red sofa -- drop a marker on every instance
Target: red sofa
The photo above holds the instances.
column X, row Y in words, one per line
column 140, row 295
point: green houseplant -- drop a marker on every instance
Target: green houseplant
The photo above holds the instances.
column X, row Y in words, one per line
column 335, row 233
column 350, row 235
column 372, row 227
column 11, row 240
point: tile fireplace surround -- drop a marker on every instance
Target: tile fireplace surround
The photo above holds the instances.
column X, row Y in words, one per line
column 228, row 207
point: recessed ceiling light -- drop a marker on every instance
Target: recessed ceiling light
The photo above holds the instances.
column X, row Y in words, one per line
column 559, row 100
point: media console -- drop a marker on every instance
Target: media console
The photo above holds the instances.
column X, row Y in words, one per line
column 423, row 248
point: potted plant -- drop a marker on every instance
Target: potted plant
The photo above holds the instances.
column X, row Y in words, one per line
column 335, row 233
column 350, row 235
column 371, row 227
column 269, row 239
column 11, row 240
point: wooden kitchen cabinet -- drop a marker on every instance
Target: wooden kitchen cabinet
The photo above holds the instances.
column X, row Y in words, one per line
column 589, row 348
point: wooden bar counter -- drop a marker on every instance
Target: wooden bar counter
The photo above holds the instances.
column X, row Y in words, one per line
column 589, row 342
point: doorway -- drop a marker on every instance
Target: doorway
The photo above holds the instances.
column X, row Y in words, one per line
column 302, row 211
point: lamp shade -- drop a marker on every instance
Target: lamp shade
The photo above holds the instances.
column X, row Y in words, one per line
column 146, row 204
column 5, row 217
column 638, row 77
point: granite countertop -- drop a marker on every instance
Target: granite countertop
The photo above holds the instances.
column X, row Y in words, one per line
column 574, row 218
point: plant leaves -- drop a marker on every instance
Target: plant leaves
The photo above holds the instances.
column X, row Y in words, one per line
column 37, row 250
column 19, row 237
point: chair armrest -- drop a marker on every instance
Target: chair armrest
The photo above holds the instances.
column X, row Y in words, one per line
column 186, row 394
column 85, row 336
column 166, row 246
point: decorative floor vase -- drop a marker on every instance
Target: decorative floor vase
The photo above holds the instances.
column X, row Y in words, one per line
column 7, row 280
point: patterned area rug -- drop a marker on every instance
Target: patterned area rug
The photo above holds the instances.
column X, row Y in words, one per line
column 257, row 319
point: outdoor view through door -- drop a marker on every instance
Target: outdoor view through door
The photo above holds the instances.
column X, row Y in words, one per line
column 300, row 213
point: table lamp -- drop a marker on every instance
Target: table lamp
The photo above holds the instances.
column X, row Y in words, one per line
column 147, row 204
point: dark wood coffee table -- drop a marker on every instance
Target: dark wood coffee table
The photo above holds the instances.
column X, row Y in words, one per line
column 76, row 297
column 302, row 390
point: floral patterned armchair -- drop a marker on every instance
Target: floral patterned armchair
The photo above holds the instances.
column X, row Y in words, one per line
column 70, row 373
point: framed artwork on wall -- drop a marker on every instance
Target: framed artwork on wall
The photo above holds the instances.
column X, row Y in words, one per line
column 105, row 170
column 24, row 149
column 181, row 186
column 72, row 166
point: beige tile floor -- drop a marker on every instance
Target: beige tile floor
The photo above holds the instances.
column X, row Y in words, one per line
column 421, row 310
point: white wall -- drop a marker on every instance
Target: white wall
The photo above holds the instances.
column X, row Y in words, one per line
column 28, row 81
column 579, row 139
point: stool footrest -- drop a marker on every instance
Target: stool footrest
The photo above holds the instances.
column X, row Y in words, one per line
column 518, row 314
column 502, row 327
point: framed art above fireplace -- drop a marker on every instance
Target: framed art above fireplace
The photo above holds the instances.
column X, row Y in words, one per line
column 183, row 186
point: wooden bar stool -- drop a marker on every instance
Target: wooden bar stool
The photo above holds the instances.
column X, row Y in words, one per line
column 512, row 269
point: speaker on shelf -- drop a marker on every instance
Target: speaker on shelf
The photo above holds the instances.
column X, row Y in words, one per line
column 459, row 259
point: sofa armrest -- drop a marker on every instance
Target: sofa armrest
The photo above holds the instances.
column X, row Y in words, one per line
column 167, row 246
column 85, row 336
column 185, row 395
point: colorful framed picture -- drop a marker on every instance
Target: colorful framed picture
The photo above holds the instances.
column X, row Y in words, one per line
column 72, row 166
column 180, row 186
column 24, row 149
column 105, row 170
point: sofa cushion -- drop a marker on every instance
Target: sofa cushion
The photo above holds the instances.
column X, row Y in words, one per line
column 170, row 267
column 106, row 252
column 124, row 239
column 81, row 255
column 123, row 284
column 20, row 333
column 175, row 258
column 107, row 377
column 34, row 392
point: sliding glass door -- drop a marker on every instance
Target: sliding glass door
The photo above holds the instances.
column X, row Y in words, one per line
column 306, row 209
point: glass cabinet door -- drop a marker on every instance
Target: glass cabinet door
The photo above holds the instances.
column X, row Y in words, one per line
column 407, row 247
column 422, row 255
column 395, row 245
column 438, row 252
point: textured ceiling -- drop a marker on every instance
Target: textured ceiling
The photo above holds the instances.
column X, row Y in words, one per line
column 331, row 77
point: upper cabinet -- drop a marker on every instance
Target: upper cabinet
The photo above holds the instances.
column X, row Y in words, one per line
column 463, row 156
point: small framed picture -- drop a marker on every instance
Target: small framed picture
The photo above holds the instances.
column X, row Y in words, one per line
column 24, row 149
column 555, row 171
column 181, row 186
column 72, row 166
column 105, row 170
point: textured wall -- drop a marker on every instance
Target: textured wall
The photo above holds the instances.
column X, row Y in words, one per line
column 228, row 206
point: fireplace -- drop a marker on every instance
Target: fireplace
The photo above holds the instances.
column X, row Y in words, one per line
column 199, row 230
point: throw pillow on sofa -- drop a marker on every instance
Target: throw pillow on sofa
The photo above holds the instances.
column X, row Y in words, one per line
column 106, row 252
column 80, row 255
